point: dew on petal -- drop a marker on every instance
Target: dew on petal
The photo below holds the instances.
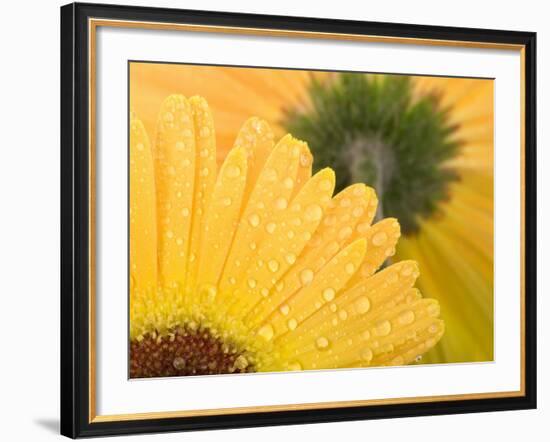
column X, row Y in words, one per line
column 366, row 354
column 290, row 258
column 273, row 265
column 383, row 328
column 362, row 305
column 313, row 213
column 295, row 366
column 251, row 283
column 325, row 185
column 281, row 203
column 406, row 317
column 306, row 276
column 254, row 220
column 284, row 309
column 270, row 227
column 345, row 232
column 328, row 294
column 292, row 324
column 322, row 343
column 266, row 332
column 233, row 171
column 379, row 238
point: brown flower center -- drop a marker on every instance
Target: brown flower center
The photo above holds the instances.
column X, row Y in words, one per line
column 185, row 352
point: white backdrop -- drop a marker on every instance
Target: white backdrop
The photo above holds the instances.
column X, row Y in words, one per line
column 29, row 238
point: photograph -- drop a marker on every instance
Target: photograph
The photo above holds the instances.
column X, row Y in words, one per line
column 286, row 219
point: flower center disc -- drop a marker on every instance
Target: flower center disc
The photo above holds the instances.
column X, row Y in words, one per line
column 185, row 352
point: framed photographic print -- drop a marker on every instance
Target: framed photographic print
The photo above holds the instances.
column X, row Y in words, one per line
column 276, row 220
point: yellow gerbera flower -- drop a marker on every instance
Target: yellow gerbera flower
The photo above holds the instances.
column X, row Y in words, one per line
column 254, row 265
column 454, row 249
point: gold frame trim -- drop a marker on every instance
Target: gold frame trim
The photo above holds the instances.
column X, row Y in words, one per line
column 93, row 24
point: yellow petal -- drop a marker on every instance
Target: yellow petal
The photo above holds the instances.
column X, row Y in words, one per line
column 317, row 289
column 205, row 178
column 293, row 226
column 222, row 216
column 381, row 238
column 257, row 217
column 256, row 137
column 143, row 223
column 175, row 179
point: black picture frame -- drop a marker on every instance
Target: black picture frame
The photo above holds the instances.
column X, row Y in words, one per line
column 75, row 220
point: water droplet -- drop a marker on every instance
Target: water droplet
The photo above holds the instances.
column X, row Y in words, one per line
column 366, row 354
column 305, row 160
column 433, row 309
column 418, row 358
column 179, row 363
column 185, row 212
column 383, row 327
column 362, row 305
column 226, row 201
column 168, row 117
column 346, row 202
column 406, row 317
column 292, row 324
column 345, row 232
column 365, row 335
column 284, row 309
column 434, row 328
column 290, row 258
column 313, row 213
column 329, row 294
column 295, row 366
column 264, row 291
column 232, row 171
column 333, row 308
column 186, row 162
column 210, row 291
column 254, row 220
column 358, row 211
column 322, row 343
column 379, row 238
column 390, row 251
column 169, row 234
column 290, row 234
column 343, row 314
column 273, row 265
column 140, row 146
column 350, row 268
column 279, row 286
column 205, row 131
column 270, row 227
column 306, row 276
column 325, row 185
column 187, row 133
column 281, row 203
column 241, row 362
column 407, row 270
column 251, row 283
column 266, row 332
column 179, row 241
column 288, row 183
column 363, row 227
